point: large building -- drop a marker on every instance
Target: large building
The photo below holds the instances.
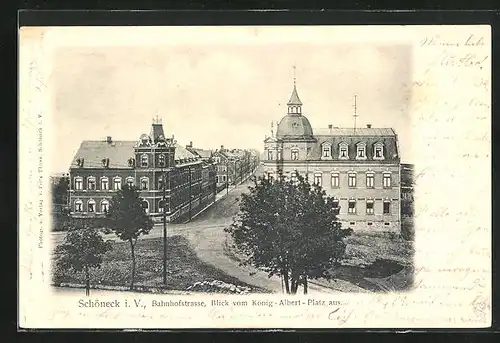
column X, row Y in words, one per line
column 100, row 168
column 359, row 167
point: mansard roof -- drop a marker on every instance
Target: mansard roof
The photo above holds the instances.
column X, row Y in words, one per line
column 118, row 152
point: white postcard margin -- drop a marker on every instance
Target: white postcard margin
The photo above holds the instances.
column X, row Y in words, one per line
column 451, row 113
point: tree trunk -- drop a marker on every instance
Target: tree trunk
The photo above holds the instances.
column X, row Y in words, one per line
column 132, row 246
column 87, row 281
column 284, row 273
column 295, row 284
column 305, row 284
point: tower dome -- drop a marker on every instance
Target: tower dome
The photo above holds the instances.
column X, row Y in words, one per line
column 294, row 125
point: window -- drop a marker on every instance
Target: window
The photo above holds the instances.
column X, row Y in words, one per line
column 145, row 206
column 387, row 224
column 293, row 176
column 269, row 154
column 318, row 177
column 327, row 149
column 351, row 179
column 161, row 206
column 335, row 180
column 160, row 183
column 352, row 223
column 270, row 176
column 144, row 183
column 91, row 183
column 369, row 206
column 361, row 151
column 104, row 183
column 295, row 154
column 130, row 181
column 117, row 183
column 279, row 155
column 78, row 183
column 352, row 207
column 343, row 151
column 144, row 160
column 387, row 180
column 370, row 180
column 379, row 151
column 104, row 206
column 387, row 207
column 224, row 178
column 78, row 206
column 91, row 206
column 370, row 223
column 161, row 160
column 335, row 203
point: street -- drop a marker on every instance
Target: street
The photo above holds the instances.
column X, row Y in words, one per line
column 206, row 236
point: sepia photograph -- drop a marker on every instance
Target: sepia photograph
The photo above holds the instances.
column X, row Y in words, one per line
column 205, row 162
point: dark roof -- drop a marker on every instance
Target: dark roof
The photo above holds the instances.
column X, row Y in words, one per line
column 362, row 131
column 118, row 152
column 370, row 137
column 201, row 152
column 294, row 98
column 294, row 126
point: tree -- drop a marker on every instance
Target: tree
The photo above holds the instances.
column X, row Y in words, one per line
column 83, row 249
column 128, row 220
column 289, row 228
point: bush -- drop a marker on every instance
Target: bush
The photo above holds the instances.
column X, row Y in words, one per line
column 407, row 229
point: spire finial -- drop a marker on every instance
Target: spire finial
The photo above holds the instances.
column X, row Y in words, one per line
column 355, row 115
column 294, row 75
column 272, row 129
column 156, row 120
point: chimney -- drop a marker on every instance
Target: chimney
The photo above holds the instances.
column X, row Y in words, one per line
column 330, row 126
column 222, row 148
column 108, row 139
column 369, row 126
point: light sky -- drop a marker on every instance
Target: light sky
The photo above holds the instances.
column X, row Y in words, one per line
column 224, row 93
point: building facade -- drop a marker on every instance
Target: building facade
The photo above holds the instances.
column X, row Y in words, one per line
column 359, row 167
column 169, row 177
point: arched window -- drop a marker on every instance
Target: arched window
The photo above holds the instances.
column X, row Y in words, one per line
column 117, row 183
column 161, row 206
column 130, row 181
column 270, row 175
column 145, row 206
column 269, row 154
column 361, row 151
column 78, row 183
column 104, row 183
column 78, row 205
column 343, row 151
column 144, row 160
column 326, row 149
column 378, row 151
column 295, row 154
column 161, row 160
column 91, row 183
column 91, row 206
column 335, row 203
column 318, row 178
column 144, row 183
column 104, row 206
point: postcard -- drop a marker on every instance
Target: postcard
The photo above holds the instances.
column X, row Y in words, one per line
column 255, row 177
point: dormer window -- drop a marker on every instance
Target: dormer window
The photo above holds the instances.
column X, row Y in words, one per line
column 343, row 151
column 144, row 160
column 327, row 150
column 361, row 151
column 378, row 151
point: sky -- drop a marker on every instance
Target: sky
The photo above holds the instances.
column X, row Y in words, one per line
column 224, row 93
